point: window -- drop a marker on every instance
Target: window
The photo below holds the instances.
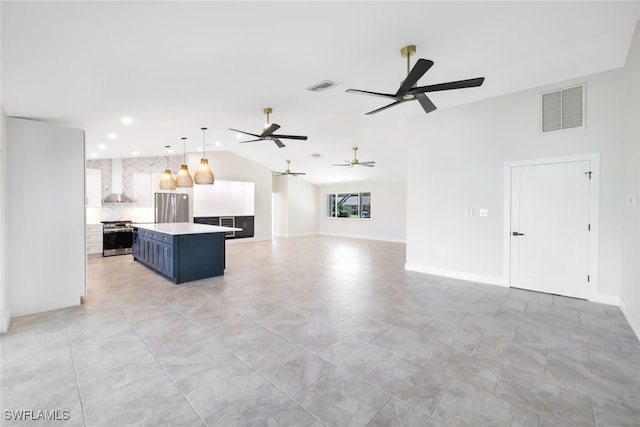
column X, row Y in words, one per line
column 563, row 109
column 348, row 205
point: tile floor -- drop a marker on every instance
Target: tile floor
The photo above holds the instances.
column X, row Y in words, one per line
column 320, row 331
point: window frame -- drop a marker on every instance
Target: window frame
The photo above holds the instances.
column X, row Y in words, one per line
column 333, row 212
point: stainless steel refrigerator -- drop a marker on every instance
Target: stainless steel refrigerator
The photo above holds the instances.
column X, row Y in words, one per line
column 171, row 207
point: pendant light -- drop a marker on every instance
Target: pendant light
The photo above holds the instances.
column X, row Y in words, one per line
column 167, row 182
column 204, row 174
column 183, row 179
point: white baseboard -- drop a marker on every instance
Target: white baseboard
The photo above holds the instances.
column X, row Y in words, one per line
column 364, row 237
column 298, row 235
column 247, row 240
column 631, row 318
column 4, row 324
column 489, row 280
column 605, row 299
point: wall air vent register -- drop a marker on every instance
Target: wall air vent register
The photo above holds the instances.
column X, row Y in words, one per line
column 562, row 109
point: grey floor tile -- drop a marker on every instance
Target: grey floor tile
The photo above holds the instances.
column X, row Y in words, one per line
column 416, row 346
column 290, row 367
column 464, row 404
column 220, row 386
column 318, row 342
column 265, row 406
column 359, row 357
column 509, row 353
column 341, row 399
column 536, row 393
column 414, row 384
column 399, row 414
column 616, row 411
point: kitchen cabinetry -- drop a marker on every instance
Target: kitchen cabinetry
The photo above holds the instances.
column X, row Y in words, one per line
column 94, row 239
column 246, row 223
column 142, row 192
column 94, row 188
column 182, row 252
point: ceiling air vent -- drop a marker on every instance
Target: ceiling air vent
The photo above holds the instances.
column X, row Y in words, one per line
column 323, row 85
column 563, row 109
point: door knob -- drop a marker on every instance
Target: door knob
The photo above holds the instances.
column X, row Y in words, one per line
column 515, row 233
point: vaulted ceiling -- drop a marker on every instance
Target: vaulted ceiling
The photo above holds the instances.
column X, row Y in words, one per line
column 174, row 67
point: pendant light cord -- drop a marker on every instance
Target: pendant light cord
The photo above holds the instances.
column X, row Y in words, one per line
column 204, row 156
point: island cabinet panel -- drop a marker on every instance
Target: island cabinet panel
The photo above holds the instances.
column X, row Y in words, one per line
column 181, row 258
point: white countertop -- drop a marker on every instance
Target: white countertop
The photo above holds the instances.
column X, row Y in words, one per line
column 176, row 228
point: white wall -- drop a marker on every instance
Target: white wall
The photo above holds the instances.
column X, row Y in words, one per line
column 280, row 186
column 295, row 207
column 457, row 159
column 388, row 212
column 5, row 310
column 630, row 288
column 231, row 167
column 46, row 216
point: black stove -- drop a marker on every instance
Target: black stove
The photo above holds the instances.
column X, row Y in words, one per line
column 117, row 238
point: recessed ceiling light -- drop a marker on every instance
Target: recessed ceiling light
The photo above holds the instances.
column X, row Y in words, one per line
column 94, row 154
column 170, row 150
column 112, row 136
column 127, row 120
column 218, row 143
column 102, row 147
column 199, row 149
column 238, row 135
column 135, row 153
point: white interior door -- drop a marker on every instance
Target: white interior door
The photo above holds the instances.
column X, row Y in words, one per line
column 550, row 228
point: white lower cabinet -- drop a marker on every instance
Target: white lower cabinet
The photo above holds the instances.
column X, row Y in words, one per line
column 94, row 239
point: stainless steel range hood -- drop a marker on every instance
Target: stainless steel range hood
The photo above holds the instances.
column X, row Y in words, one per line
column 116, row 184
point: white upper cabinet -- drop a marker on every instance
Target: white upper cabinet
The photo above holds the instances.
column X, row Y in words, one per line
column 142, row 192
column 224, row 198
column 94, row 188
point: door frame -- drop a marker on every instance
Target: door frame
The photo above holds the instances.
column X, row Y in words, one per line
column 594, row 214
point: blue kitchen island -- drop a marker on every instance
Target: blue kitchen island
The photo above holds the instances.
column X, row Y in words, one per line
column 182, row 251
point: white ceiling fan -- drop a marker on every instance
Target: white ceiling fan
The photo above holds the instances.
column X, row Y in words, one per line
column 288, row 171
column 355, row 161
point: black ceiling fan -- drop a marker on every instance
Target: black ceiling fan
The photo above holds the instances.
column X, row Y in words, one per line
column 268, row 133
column 408, row 91
column 288, row 171
column 356, row 162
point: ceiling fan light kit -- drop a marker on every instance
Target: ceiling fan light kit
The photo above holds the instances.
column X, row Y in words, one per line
column 204, row 174
column 409, row 90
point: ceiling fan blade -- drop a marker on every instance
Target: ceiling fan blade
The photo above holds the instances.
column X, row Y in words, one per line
column 246, row 133
column 252, row 140
column 418, row 70
column 366, row 92
column 343, row 164
column 301, row 137
column 277, row 141
column 460, row 84
column 278, row 173
column 271, row 129
column 297, row 173
column 426, row 103
column 367, row 164
column 385, row 107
